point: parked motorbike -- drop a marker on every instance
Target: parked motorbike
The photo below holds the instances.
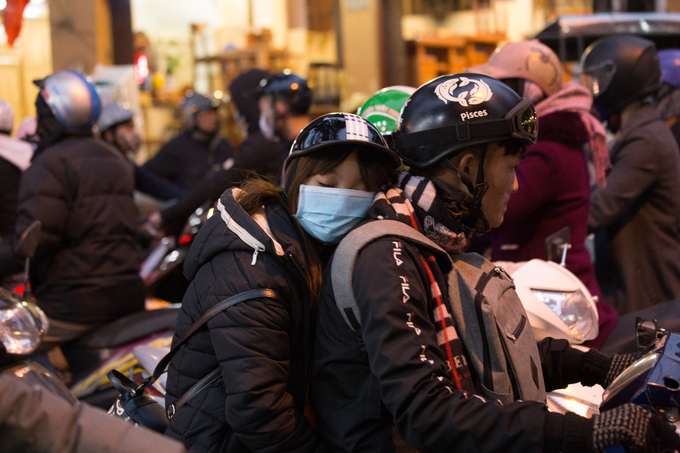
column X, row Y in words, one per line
column 162, row 269
column 23, row 325
column 91, row 357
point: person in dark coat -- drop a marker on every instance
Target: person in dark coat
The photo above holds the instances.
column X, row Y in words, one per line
column 637, row 215
column 256, row 155
column 261, row 238
column 554, row 180
column 85, row 271
column 117, row 128
column 196, row 152
column 15, row 157
column 401, row 375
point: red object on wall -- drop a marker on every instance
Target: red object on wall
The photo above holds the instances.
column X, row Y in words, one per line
column 14, row 14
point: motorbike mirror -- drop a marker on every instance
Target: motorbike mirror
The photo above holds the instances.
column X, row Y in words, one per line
column 557, row 244
column 645, row 331
column 28, row 241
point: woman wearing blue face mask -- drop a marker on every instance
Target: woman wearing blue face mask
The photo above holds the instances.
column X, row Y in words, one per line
column 266, row 237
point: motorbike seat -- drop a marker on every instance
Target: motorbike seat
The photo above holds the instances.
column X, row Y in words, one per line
column 128, row 329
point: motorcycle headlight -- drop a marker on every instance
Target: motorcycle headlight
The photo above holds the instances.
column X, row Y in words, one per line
column 22, row 326
column 572, row 308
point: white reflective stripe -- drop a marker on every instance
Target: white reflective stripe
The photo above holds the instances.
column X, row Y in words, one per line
column 356, row 128
column 238, row 230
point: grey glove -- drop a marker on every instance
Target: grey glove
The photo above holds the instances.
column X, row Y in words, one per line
column 598, row 368
column 619, row 363
column 633, row 427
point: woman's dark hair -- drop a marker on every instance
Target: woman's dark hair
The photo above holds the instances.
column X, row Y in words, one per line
column 375, row 170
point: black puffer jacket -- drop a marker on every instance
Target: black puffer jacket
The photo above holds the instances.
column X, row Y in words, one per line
column 187, row 159
column 402, row 378
column 10, row 175
column 262, row 346
column 86, row 266
column 255, row 155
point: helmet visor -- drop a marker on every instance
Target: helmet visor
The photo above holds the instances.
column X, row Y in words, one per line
column 598, row 77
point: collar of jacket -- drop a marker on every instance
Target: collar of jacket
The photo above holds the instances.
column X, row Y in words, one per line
column 270, row 230
column 644, row 115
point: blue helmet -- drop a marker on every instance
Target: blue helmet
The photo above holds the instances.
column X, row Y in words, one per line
column 72, row 99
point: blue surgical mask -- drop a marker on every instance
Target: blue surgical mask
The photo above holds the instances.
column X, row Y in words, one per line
column 328, row 214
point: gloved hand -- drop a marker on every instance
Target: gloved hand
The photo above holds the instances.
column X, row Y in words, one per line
column 633, row 427
column 619, row 363
column 598, row 368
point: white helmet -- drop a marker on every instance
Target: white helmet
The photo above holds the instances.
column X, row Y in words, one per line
column 6, row 117
column 72, row 99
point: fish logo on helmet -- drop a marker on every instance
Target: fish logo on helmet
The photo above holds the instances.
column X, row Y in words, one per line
column 430, row 130
column 478, row 93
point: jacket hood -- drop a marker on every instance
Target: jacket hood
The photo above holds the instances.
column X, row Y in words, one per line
column 269, row 231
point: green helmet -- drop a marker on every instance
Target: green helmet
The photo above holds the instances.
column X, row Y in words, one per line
column 382, row 109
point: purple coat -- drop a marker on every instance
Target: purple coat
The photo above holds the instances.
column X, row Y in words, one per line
column 554, row 192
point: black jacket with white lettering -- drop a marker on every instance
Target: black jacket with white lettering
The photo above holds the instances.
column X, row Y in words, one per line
column 401, row 379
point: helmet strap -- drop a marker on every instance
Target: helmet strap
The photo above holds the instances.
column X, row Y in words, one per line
column 291, row 175
column 477, row 191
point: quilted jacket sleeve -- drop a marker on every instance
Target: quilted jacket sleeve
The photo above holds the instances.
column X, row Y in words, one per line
column 46, row 194
column 252, row 346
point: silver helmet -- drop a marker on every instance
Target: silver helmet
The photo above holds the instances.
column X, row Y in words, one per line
column 72, row 99
column 112, row 115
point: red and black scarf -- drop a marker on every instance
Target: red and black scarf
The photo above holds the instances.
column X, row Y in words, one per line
column 421, row 203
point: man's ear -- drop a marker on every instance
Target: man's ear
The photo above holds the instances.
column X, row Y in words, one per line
column 468, row 164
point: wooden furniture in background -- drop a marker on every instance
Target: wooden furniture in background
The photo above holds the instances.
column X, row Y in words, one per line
column 430, row 57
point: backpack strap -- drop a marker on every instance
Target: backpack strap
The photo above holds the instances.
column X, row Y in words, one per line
column 346, row 255
column 233, row 300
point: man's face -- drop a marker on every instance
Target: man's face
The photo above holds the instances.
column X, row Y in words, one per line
column 206, row 120
column 500, row 174
column 272, row 115
column 126, row 138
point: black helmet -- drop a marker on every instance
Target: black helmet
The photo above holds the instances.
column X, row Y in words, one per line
column 243, row 90
column 338, row 129
column 620, row 70
column 291, row 89
column 453, row 112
